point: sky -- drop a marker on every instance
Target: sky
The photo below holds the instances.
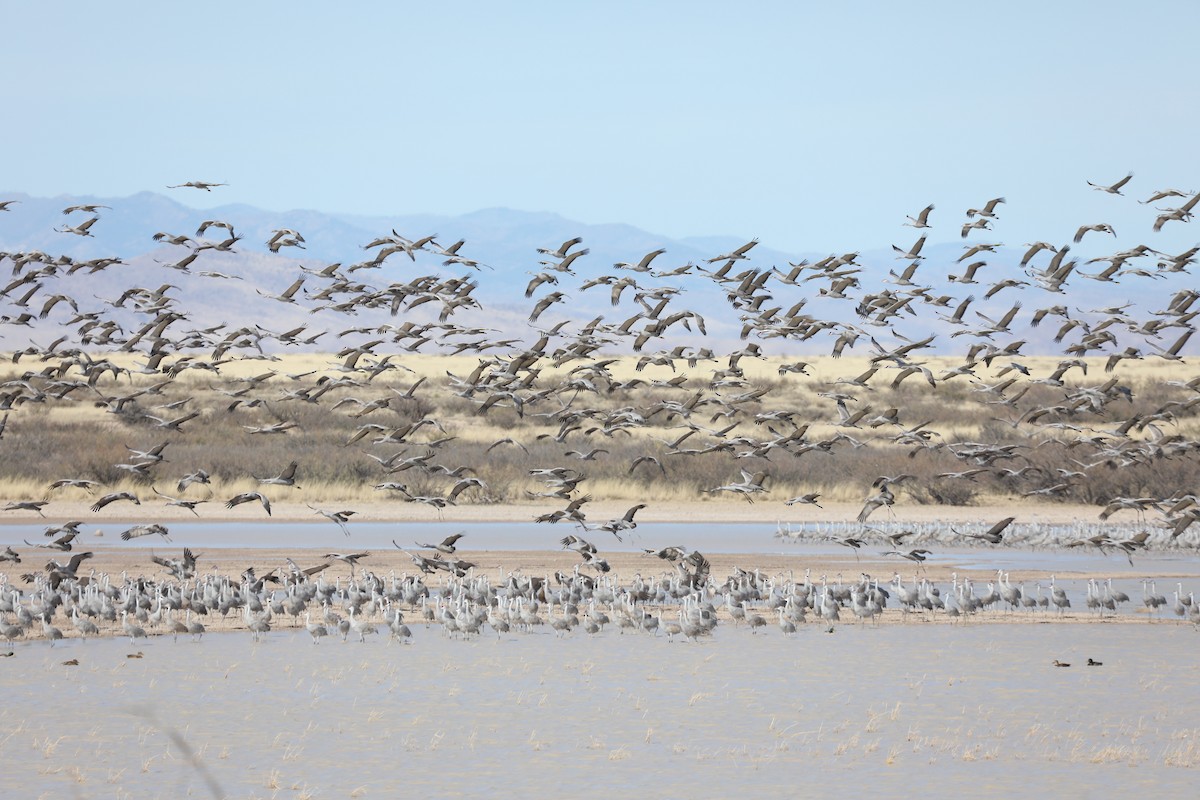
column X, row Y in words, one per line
column 812, row 126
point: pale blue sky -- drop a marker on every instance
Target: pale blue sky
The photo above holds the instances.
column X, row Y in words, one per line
column 812, row 126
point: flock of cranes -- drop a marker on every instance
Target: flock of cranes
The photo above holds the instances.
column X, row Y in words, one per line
column 560, row 382
column 687, row 603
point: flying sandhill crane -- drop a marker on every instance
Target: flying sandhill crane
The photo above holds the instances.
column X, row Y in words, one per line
column 992, row 535
column 88, row 208
column 182, row 568
column 27, row 505
column 734, row 255
column 348, row 558
column 913, row 252
column 883, row 497
column 446, row 546
column 1181, row 214
column 77, row 483
column 114, row 497
column 561, row 252
column 206, row 186
column 181, row 502
column 988, row 210
column 624, row 523
column 199, row 476
column 1099, row 228
column 804, row 499
column 246, row 497
column 82, row 229
column 1115, row 188
column 340, row 518
column 751, row 484
column 146, row 530
column 922, row 218
column 644, row 264
column 285, row 478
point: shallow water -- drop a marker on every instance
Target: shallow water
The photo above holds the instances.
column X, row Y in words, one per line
column 956, row 709
column 748, row 538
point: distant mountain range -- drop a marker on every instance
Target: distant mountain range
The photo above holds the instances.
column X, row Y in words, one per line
column 506, row 242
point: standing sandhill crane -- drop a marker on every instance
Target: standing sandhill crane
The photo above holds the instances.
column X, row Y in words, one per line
column 318, row 631
column 84, row 625
column 51, row 633
column 401, row 632
column 786, row 626
column 134, row 632
column 755, row 621
column 196, row 629
column 257, row 625
column 175, row 627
